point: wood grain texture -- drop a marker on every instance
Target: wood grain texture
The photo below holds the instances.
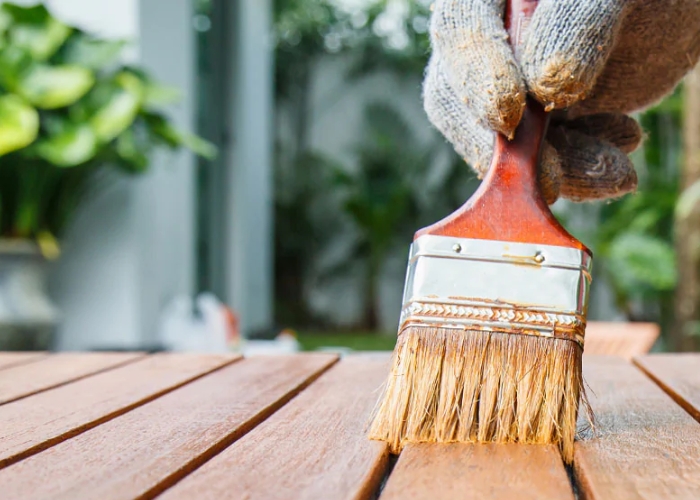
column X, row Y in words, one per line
column 646, row 446
column 23, row 380
column 8, row 359
column 42, row 420
column 623, row 339
column 315, row 447
column 678, row 376
column 146, row 450
column 478, row 472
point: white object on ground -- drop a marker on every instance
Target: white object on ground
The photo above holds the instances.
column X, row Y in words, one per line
column 181, row 329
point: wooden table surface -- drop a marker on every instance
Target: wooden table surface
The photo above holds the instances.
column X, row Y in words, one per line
column 177, row 426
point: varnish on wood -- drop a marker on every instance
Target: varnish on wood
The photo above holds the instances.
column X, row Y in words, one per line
column 295, row 427
column 645, row 445
column 36, row 423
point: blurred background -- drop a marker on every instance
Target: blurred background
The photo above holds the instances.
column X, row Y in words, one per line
column 211, row 174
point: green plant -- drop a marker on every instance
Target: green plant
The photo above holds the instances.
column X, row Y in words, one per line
column 390, row 196
column 633, row 239
column 68, row 109
column 332, row 219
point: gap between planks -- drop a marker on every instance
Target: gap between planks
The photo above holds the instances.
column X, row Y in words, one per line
column 9, row 359
column 316, row 446
column 55, row 370
column 645, row 445
column 38, row 422
column 677, row 375
column 143, row 452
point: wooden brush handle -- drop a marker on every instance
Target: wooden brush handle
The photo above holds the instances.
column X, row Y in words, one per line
column 508, row 206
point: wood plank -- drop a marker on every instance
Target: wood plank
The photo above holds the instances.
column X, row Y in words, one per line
column 141, row 453
column 42, row 420
column 678, row 376
column 623, row 339
column 57, row 369
column 316, row 446
column 646, row 446
column 478, row 472
column 8, row 359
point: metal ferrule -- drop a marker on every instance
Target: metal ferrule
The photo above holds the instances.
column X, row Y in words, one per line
column 499, row 286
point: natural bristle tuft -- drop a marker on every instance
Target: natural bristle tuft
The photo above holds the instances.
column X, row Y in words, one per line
column 449, row 385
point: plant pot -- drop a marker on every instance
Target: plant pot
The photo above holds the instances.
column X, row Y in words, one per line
column 28, row 318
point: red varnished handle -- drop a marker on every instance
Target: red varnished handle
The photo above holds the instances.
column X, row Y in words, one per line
column 508, row 206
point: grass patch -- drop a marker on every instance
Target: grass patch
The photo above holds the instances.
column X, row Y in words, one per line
column 359, row 341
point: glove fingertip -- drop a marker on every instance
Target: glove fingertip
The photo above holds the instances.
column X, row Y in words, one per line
column 557, row 84
column 619, row 129
column 550, row 174
column 568, row 45
column 507, row 110
column 592, row 169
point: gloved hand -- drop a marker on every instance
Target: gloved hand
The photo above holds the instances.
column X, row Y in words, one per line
column 594, row 61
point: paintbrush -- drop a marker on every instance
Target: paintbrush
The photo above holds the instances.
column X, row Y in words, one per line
column 493, row 319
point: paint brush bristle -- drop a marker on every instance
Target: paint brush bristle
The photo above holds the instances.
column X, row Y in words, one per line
column 448, row 385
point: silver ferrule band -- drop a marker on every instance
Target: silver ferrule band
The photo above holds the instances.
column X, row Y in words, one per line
column 497, row 286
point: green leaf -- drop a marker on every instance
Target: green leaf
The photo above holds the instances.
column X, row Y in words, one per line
column 51, row 87
column 174, row 138
column 35, row 30
column 156, row 95
column 19, row 124
column 133, row 153
column 14, row 62
column 120, row 109
column 5, row 22
column 92, row 53
column 76, row 144
column 640, row 261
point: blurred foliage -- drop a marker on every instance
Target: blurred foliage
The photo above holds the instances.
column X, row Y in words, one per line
column 380, row 35
column 68, row 108
column 355, row 341
column 632, row 238
column 388, row 198
column 336, row 219
column 635, row 237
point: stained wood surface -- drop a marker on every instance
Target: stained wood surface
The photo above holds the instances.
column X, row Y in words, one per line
column 646, row 445
column 148, row 449
column 678, row 375
column 211, row 426
column 51, row 371
column 622, row 339
column 476, row 472
column 42, row 420
column 314, row 447
column 8, row 359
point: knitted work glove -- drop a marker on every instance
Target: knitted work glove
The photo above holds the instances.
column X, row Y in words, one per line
column 592, row 61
